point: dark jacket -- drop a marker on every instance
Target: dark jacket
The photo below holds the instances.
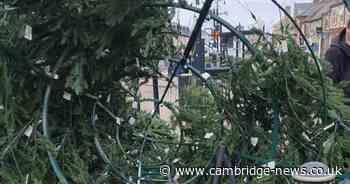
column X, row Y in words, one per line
column 339, row 57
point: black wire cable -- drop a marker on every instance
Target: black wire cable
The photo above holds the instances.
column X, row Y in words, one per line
column 198, row 27
column 190, row 45
column 203, row 14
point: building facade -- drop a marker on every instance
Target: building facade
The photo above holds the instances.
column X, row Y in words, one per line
column 322, row 23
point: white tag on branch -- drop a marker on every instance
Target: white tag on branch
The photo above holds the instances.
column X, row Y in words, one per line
column 28, row 131
column 166, row 150
column 306, row 137
column 56, row 77
column 286, row 142
column 118, row 121
column 254, row 140
column 271, row 165
column 40, row 61
column 27, row 178
column 108, row 98
column 124, row 84
column 32, row 72
column 67, row 96
column 135, row 105
column 96, row 117
column 133, row 152
column 328, row 127
column 2, row 107
column 28, row 32
column 138, row 62
column 48, row 72
column 132, row 121
column 58, row 148
column 176, row 160
column 208, row 135
column 206, row 75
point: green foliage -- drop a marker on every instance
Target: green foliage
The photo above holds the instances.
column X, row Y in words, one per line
column 95, row 47
column 280, row 101
column 99, row 43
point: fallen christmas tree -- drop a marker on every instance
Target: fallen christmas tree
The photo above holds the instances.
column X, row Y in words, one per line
column 269, row 111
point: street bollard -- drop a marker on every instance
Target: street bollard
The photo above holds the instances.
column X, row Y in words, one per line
column 314, row 173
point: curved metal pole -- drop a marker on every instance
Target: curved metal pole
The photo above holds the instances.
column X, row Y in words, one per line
column 100, row 150
column 54, row 164
column 312, row 54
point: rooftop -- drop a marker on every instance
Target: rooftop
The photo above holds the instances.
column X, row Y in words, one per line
column 319, row 9
column 300, row 9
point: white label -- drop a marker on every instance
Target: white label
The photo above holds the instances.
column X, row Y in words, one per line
column 133, row 152
column 328, row 127
column 166, row 150
column 254, row 140
column 176, row 160
column 206, row 75
column 56, row 77
column 286, row 142
column 137, row 62
column 2, row 107
column 108, row 98
column 118, row 120
column 306, row 137
column 124, row 84
column 208, row 135
column 58, row 148
column 67, row 96
column 29, row 131
column 271, row 164
column 28, row 32
column 27, row 178
column 47, row 70
column 132, row 121
column 134, row 105
column 40, row 61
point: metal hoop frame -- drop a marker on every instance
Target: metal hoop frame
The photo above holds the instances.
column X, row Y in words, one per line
column 204, row 12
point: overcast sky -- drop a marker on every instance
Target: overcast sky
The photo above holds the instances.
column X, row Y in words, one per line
column 237, row 12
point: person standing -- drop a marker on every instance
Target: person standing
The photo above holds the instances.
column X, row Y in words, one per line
column 339, row 57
